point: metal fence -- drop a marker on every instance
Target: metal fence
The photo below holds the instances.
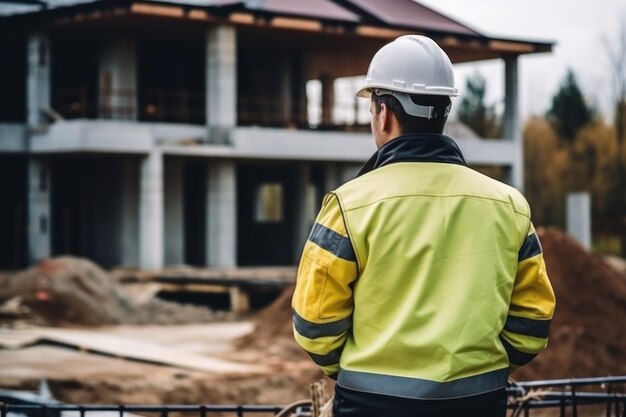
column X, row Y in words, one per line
column 571, row 397
column 566, row 397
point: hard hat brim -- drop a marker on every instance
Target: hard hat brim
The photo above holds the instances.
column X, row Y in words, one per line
column 366, row 91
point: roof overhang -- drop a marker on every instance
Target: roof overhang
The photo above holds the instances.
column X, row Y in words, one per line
column 354, row 18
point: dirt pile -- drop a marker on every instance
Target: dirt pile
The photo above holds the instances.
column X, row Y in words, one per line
column 75, row 291
column 588, row 336
column 273, row 330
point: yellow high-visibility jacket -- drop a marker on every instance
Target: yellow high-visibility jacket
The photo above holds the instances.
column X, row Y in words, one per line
column 422, row 278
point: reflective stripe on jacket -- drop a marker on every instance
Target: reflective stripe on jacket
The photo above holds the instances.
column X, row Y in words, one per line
column 422, row 278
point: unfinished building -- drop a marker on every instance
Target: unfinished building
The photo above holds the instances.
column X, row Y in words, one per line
column 149, row 133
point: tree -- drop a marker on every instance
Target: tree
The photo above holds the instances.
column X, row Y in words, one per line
column 546, row 163
column 569, row 111
column 594, row 165
column 473, row 111
column 616, row 53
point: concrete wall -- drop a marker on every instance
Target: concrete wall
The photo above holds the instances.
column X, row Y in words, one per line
column 39, row 210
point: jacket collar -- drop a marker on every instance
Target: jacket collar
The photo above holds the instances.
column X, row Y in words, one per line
column 415, row 147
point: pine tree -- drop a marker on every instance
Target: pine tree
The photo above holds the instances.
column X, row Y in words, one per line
column 473, row 111
column 569, row 111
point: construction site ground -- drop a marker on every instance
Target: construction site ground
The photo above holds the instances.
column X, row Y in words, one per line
column 70, row 322
column 80, row 375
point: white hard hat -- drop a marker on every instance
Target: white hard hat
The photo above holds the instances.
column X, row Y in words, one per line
column 411, row 64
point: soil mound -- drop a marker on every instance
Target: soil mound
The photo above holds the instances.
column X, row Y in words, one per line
column 75, row 291
column 588, row 336
column 273, row 331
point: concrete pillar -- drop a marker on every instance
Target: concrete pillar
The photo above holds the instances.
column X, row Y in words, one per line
column 579, row 218
column 129, row 243
column 302, row 221
column 511, row 127
column 151, row 211
column 328, row 99
column 38, row 80
column 117, row 79
column 221, row 214
column 221, row 81
column 39, row 210
column 174, row 225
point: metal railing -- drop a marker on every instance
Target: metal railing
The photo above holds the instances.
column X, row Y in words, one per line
column 154, row 105
column 603, row 397
column 189, row 106
column 277, row 112
column 95, row 410
column 173, row 106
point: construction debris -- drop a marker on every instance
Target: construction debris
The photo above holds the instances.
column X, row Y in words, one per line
column 128, row 348
column 75, row 291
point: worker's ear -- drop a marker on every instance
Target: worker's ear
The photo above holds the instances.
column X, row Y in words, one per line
column 387, row 118
column 382, row 116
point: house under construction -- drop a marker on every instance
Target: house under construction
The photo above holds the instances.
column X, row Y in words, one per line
column 204, row 132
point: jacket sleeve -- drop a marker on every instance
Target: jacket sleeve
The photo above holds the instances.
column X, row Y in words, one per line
column 322, row 303
column 525, row 332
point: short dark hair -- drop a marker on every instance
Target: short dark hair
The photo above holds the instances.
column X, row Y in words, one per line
column 413, row 124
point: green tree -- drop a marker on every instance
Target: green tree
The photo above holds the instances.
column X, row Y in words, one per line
column 569, row 111
column 473, row 111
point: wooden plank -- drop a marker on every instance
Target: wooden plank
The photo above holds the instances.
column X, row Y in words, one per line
column 239, row 300
column 279, row 276
column 201, row 288
column 129, row 349
column 12, row 340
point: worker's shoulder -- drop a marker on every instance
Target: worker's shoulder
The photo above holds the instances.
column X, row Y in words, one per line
column 487, row 187
column 427, row 179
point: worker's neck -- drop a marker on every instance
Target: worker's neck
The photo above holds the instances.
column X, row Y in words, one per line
column 388, row 136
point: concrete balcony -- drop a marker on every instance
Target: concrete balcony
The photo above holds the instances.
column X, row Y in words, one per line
column 105, row 136
column 128, row 137
column 283, row 144
column 12, row 137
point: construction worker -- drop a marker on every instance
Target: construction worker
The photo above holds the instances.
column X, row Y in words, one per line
column 422, row 284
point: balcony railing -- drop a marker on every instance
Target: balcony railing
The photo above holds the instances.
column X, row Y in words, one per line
column 173, row 106
column 276, row 112
column 154, row 105
column 185, row 106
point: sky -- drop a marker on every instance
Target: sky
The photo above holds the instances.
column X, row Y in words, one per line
column 577, row 26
